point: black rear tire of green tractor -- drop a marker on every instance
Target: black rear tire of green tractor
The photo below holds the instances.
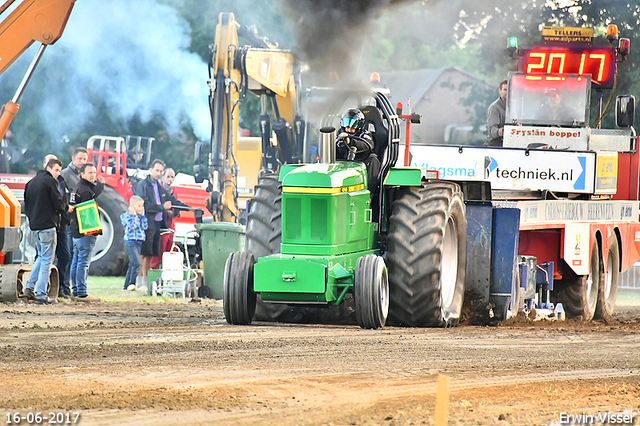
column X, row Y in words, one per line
column 263, row 237
column 371, row 292
column 109, row 257
column 264, row 225
column 609, row 283
column 579, row 293
column 239, row 299
column 426, row 256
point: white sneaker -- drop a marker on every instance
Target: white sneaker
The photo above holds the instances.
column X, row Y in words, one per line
column 143, row 289
column 131, row 287
column 142, row 284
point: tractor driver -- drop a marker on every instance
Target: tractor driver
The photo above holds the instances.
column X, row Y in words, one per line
column 354, row 143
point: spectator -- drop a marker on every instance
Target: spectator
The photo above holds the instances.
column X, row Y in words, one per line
column 43, row 205
column 71, row 175
column 63, row 253
column 155, row 203
column 496, row 115
column 135, row 223
column 166, row 239
column 83, row 244
column 134, row 159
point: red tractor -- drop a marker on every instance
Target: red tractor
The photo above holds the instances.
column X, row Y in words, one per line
column 123, row 161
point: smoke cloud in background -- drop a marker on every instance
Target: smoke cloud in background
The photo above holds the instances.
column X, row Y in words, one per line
column 133, row 54
column 331, row 34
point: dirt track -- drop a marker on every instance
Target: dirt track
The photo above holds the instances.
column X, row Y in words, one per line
column 142, row 363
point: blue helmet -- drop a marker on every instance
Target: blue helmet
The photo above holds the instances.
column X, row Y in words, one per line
column 352, row 118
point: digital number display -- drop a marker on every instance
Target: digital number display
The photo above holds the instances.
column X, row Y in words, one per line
column 599, row 62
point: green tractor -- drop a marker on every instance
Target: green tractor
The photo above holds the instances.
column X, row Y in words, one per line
column 316, row 233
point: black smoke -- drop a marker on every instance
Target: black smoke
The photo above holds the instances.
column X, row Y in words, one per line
column 332, row 35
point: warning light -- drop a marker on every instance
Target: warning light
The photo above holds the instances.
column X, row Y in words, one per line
column 399, row 108
column 612, row 33
column 512, row 46
column 623, row 48
column 375, row 77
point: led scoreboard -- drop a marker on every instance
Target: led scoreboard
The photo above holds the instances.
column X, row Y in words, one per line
column 599, row 62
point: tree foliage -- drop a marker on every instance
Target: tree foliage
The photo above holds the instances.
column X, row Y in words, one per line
column 405, row 35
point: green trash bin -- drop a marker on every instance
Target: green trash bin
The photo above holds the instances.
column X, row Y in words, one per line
column 219, row 240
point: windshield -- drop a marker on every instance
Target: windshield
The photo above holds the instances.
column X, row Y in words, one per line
column 550, row 100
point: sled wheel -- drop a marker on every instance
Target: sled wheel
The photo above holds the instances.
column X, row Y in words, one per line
column 239, row 300
column 610, row 281
column 371, row 292
column 579, row 294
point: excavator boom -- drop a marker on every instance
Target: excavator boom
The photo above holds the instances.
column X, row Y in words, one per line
column 30, row 21
column 266, row 72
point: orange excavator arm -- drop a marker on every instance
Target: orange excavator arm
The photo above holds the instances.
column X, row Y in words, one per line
column 31, row 21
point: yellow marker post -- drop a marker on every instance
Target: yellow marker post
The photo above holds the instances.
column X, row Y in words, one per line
column 442, row 401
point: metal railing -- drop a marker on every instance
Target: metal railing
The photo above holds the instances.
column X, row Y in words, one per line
column 631, row 278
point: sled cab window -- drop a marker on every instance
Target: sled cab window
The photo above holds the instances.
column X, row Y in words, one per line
column 548, row 100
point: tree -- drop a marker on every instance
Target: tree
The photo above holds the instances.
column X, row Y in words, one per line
column 489, row 23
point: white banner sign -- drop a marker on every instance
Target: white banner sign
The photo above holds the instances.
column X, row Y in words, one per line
column 510, row 168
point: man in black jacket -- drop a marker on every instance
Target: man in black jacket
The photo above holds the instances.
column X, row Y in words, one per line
column 43, row 203
column 71, row 175
column 156, row 201
column 63, row 252
column 83, row 244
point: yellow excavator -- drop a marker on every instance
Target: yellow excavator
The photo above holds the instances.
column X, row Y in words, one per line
column 235, row 163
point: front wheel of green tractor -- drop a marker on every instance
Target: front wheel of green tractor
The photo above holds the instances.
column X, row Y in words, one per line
column 371, row 292
column 427, row 255
column 239, row 299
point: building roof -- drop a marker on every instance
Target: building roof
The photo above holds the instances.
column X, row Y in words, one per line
column 415, row 84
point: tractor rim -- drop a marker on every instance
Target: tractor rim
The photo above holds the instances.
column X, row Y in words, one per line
column 384, row 290
column 449, row 264
column 104, row 241
column 608, row 276
column 592, row 290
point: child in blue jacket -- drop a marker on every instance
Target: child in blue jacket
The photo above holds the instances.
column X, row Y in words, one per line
column 135, row 223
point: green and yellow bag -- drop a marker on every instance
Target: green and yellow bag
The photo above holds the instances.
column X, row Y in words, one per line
column 88, row 218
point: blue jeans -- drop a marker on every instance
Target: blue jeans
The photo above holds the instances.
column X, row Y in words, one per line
column 82, row 248
column 45, row 249
column 70, row 243
column 64, row 256
column 133, row 251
